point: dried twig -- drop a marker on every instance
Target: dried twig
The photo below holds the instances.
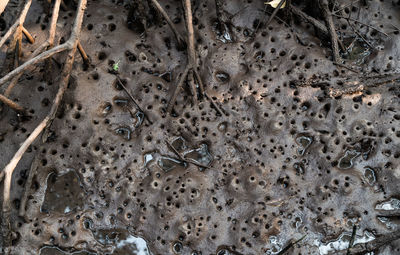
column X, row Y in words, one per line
column 362, row 23
column 331, row 29
column 9, row 169
column 28, row 185
column 83, row 53
column 3, row 5
column 133, row 100
column 176, row 90
column 28, row 36
column 12, row 104
column 316, row 23
column 178, row 36
column 214, row 104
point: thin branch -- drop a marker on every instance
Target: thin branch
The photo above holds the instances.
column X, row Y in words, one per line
column 9, row 169
column 12, row 104
column 214, row 104
column 28, row 185
column 28, row 36
column 331, row 29
column 345, row 66
column 176, row 90
column 65, row 46
column 193, row 87
column 83, row 53
column 362, row 23
column 178, row 36
column 133, row 100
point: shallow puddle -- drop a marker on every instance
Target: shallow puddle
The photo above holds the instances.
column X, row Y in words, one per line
column 64, row 193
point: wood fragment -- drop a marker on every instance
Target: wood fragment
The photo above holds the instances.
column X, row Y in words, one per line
column 12, row 104
column 28, row 36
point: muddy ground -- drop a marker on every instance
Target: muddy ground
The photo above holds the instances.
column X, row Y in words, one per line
column 304, row 150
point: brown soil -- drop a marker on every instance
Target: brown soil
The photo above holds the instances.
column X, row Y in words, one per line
column 303, row 147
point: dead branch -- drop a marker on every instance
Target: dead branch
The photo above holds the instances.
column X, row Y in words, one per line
column 347, row 67
column 331, row 29
column 178, row 36
column 28, row 36
column 28, row 185
column 68, row 45
column 362, row 23
column 316, row 23
column 9, row 169
column 192, row 64
column 133, row 100
column 214, row 104
column 84, row 56
column 176, row 90
column 12, row 104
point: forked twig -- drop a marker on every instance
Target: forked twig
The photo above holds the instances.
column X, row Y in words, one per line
column 46, row 45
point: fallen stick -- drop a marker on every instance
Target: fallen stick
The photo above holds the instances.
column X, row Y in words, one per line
column 9, row 169
column 331, row 29
column 12, row 104
column 133, row 100
column 362, row 23
column 28, row 36
column 83, row 53
column 178, row 36
column 316, row 23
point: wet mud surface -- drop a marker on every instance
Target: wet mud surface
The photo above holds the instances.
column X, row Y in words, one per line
column 300, row 153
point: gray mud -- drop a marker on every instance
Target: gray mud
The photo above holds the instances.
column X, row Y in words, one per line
column 300, row 151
